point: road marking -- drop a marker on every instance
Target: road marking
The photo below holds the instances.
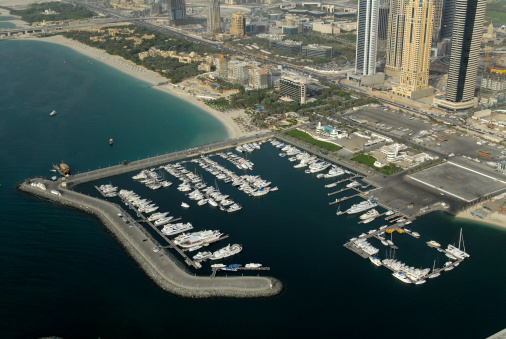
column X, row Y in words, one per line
column 485, row 175
column 439, row 189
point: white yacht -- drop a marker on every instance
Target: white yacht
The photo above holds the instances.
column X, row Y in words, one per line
column 352, row 184
column 402, row 277
column 176, row 228
column 212, row 202
column 457, row 252
column 163, row 221
column 226, row 251
column 218, row 266
column 52, row 113
column 188, row 240
column 363, row 206
column 185, row 205
column 433, row 243
column 335, row 171
column 234, row 207
column 369, row 214
column 203, row 255
column 158, row 215
column 375, row 260
column 253, row 265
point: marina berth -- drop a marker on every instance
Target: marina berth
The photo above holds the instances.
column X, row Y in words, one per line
column 197, row 238
column 226, row 251
column 360, row 207
column 176, row 228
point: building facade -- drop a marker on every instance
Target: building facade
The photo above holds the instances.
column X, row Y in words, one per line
column 414, row 77
column 238, row 25
column 293, row 89
column 367, row 37
column 317, row 51
column 466, row 41
column 177, row 10
column 213, row 17
column 395, row 37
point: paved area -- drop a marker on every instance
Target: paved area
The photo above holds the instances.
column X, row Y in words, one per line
column 460, row 181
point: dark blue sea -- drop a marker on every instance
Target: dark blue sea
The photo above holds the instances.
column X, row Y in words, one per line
column 62, row 274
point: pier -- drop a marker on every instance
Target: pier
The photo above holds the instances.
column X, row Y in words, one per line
column 215, row 270
column 160, row 266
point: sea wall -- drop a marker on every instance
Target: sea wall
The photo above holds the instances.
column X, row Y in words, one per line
column 161, row 267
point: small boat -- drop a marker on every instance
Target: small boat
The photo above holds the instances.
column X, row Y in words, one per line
column 218, row 266
column 253, row 265
column 111, row 141
column 185, row 205
column 376, row 261
column 52, row 113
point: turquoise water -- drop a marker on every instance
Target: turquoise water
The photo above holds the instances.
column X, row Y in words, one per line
column 64, row 275
column 5, row 24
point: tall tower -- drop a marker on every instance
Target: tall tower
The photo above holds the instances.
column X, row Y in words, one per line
column 395, row 37
column 367, row 32
column 383, row 13
column 447, row 16
column 438, row 17
column 177, row 10
column 213, row 16
column 414, row 79
column 466, row 40
column 238, row 25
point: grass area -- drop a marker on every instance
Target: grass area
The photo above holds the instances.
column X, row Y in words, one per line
column 350, row 37
column 495, row 17
column 369, row 161
column 310, row 140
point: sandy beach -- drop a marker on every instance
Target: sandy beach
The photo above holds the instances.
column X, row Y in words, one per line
column 16, row 21
column 228, row 119
column 493, row 218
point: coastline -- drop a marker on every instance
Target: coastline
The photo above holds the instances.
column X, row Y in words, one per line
column 154, row 79
column 494, row 219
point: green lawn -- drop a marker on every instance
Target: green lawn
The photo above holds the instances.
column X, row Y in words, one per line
column 495, row 17
column 351, row 37
column 310, row 140
column 369, row 161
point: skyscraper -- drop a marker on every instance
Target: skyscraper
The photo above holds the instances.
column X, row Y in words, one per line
column 367, row 32
column 395, row 37
column 414, row 78
column 177, row 10
column 466, row 40
column 238, row 25
column 213, row 16
column 447, row 17
column 438, row 16
column 384, row 10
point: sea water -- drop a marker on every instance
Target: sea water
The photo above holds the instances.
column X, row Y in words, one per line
column 64, row 275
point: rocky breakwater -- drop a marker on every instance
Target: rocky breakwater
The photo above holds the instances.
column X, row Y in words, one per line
column 161, row 266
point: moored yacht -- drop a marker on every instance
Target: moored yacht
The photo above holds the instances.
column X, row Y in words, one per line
column 226, row 251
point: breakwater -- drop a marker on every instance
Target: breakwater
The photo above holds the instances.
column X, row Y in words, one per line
column 106, row 172
column 161, row 267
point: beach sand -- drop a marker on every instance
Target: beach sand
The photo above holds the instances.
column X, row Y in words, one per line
column 228, row 119
column 496, row 219
column 17, row 21
column 493, row 218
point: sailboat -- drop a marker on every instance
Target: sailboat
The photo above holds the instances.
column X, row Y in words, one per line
column 339, row 212
column 458, row 252
column 434, row 274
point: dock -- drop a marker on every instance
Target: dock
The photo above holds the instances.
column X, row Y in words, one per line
column 213, row 274
column 344, row 198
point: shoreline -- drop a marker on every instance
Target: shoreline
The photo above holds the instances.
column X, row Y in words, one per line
column 165, row 271
column 154, row 79
column 494, row 219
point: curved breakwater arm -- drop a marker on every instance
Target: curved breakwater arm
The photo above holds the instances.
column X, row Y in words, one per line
column 163, row 269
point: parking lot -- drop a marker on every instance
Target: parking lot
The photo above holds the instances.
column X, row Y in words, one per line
column 460, row 181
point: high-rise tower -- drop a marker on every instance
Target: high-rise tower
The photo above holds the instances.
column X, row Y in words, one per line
column 367, row 32
column 177, row 10
column 414, row 78
column 213, row 16
column 384, row 10
column 466, row 40
column 395, row 37
column 238, row 25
